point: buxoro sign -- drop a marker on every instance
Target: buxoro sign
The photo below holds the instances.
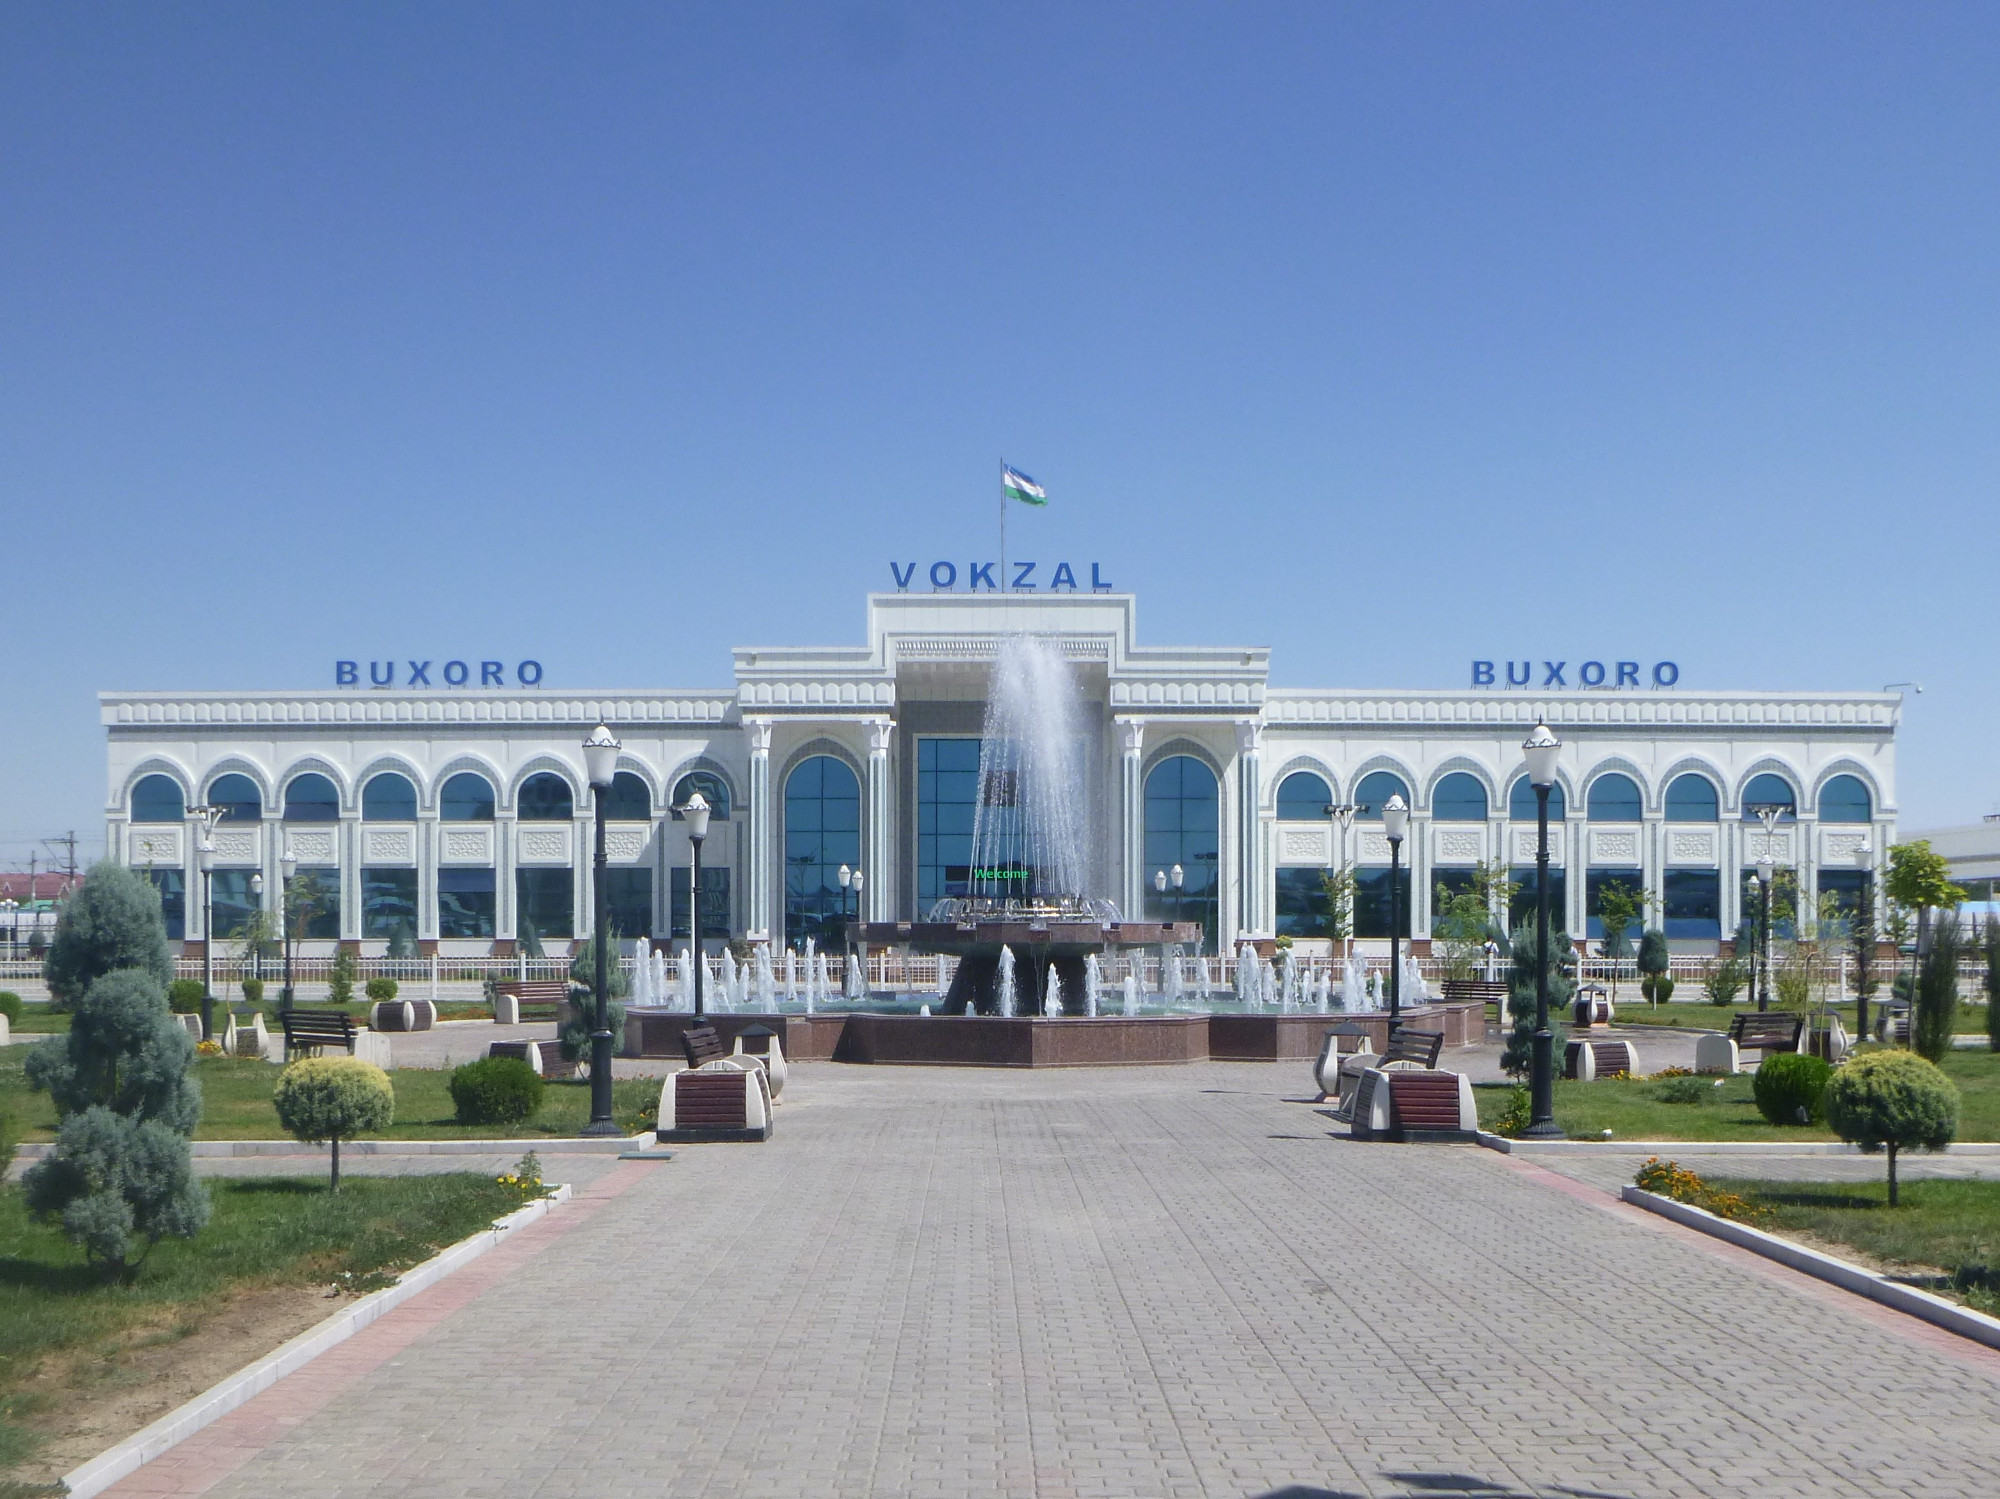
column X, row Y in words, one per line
column 1555, row 674
column 944, row 576
column 448, row 674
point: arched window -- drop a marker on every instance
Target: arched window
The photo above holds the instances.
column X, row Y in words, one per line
column 822, row 832
column 1692, row 798
column 1459, row 798
column 1521, row 801
column 628, row 800
column 158, row 799
column 311, row 798
column 467, row 797
column 714, row 790
column 1845, row 799
column 1613, row 798
column 1303, row 795
column 1770, row 791
column 389, row 797
column 1184, row 827
column 1375, row 790
column 544, row 797
column 238, row 797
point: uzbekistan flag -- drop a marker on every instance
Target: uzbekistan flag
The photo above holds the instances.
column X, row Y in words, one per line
column 1016, row 485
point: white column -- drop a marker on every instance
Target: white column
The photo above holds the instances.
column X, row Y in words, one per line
column 427, row 882
column 761, row 831
column 877, row 857
column 1132, row 817
column 1417, row 860
column 1249, row 897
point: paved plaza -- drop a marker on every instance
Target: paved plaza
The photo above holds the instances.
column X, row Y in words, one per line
column 1162, row 1281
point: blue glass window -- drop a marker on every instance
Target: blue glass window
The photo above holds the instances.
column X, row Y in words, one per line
column 1845, row 799
column 230, row 901
column 389, row 900
column 1521, row 801
column 465, row 897
column 629, row 800
column 1691, row 900
column 822, row 832
column 546, row 902
column 1184, row 827
column 158, row 799
column 238, row 797
column 1634, row 881
column 714, row 901
column 1373, row 793
column 1770, row 790
column 1302, row 903
column 947, row 799
column 1521, row 909
column 628, row 894
column 311, row 798
column 545, row 797
column 714, row 790
column 1692, row 798
column 1614, row 798
column 319, row 884
column 172, row 885
column 1459, row 798
column 1303, row 796
column 467, row 797
column 389, row 797
column 1371, row 901
column 1845, row 886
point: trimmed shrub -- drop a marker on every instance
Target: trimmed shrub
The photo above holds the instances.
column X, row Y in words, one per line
column 1517, row 1058
column 1724, row 981
column 116, row 1184
column 1790, row 1088
column 253, row 991
column 340, row 981
column 1684, row 1090
column 333, row 1099
column 124, row 1052
column 1894, row 1099
column 113, row 921
column 1936, row 1014
column 184, row 996
column 496, row 1090
column 10, row 1006
column 380, row 990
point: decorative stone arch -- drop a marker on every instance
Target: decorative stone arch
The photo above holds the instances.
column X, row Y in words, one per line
column 1704, row 767
column 1390, row 763
column 239, row 765
column 1846, row 765
column 156, row 765
column 715, row 768
column 534, row 765
column 1461, row 765
column 389, row 760
column 1572, row 802
column 1776, row 765
column 655, row 796
column 320, row 765
column 1649, row 794
column 428, row 794
column 1309, row 763
column 1194, row 749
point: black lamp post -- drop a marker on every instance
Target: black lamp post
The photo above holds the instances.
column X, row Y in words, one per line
column 695, row 814
column 256, row 950
column 1864, row 932
column 1765, row 869
column 1542, row 749
column 288, row 865
column 1395, row 823
column 860, row 954
column 600, row 754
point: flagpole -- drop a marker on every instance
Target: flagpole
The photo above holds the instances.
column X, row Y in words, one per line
column 1003, row 525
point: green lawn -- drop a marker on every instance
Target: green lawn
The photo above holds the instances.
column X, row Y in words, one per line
column 1948, row 1227
column 236, row 1104
column 40, row 1020
column 1633, row 1010
column 1634, row 1110
column 265, row 1232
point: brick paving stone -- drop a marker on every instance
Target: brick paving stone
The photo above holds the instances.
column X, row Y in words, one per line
column 1117, row 1283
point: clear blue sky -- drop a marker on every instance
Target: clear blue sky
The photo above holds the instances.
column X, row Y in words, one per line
column 1387, row 336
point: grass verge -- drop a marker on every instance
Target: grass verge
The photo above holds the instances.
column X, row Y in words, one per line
column 1697, row 1016
column 236, row 1104
column 65, row 1331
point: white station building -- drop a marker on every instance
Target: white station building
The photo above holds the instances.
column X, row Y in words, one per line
column 457, row 817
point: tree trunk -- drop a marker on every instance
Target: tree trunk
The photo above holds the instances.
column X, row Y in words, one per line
column 1892, row 1173
column 336, row 1168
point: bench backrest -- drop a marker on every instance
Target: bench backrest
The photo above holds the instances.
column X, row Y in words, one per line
column 1424, row 1100
column 335, row 1023
column 1766, row 1030
column 1407, row 1045
column 535, row 991
column 701, row 1043
column 1470, row 989
column 712, row 1100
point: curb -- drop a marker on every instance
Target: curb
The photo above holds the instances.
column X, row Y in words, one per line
column 1935, row 1310
column 1700, row 1147
column 233, row 1149
column 107, row 1468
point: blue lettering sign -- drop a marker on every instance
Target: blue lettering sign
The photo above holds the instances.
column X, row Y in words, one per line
column 1021, row 577
column 420, row 674
column 1064, row 578
column 489, row 674
column 976, row 571
column 1628, row 673
column 949, row 571
column 1555, row 674
column 1591, row 674
column 1666, row 674
column 902, row 578
column 1482, row 674
column 1527, row 674
column 345, row 673
column 386, row 677
column 1098, row 583
column 455, row 673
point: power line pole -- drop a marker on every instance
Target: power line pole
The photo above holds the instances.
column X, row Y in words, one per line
column 68, row 844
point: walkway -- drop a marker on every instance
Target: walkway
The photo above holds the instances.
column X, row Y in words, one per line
column 1150, row 1282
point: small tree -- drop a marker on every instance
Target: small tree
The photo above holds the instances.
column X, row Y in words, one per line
column 1616, row 911
column 1936, row 1015
column 1894, row 1099
column 123, row 1052
column 1919, row 881
column 333, row 1099
column 1862, row 933
column 581, row 1017
column 340, row 982
column 112, row 921
column 1989, row 941
column 1519, row 1053
column 1338, row 887
column 1654, row 960
column 116, row 1183
column 1461, row 923
column 1724, row 981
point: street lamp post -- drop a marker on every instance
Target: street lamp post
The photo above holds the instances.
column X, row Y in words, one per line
column 256, row 954
column 205, row 857
column 695, row 814
column 861, row 937
column 1542, row 750
column 288, row 865
column 1864, row 930
column 1395, row 823
column 1765, row 869
column 1340, row 817
column 600, row 755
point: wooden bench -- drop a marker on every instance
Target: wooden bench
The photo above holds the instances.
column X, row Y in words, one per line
column 727, row 1099
column 702, row 1044
column 1408, row 1045
column 544, row 1056
column 1767, row 1030
column 1411, row 1104
column 1490, row 992
column 518, row 1000
column 313, row 1030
